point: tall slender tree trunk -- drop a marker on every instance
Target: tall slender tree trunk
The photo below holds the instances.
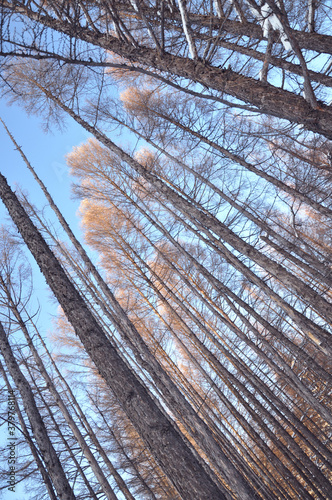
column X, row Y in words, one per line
column 85, row 423
column 175, row 457
column 267, row 98
column 44, row 473
column 39, row 431
column 99, row 474
column 171, row 393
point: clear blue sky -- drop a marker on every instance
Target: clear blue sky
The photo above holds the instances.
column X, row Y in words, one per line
column 46, row 153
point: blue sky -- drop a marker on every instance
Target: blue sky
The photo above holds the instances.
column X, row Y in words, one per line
column 46, row 153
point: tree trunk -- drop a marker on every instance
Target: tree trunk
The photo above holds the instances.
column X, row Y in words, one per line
column 267, row 98
column 163, row 439
column 39, row 431
column 34, row 451
column 105, row 486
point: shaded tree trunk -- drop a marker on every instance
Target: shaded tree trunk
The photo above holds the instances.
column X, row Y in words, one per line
column 45, row 446
column 174, row 456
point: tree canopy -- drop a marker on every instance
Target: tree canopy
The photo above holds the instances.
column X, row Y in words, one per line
column 205, row 325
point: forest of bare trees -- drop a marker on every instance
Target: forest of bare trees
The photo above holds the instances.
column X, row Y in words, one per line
column 190, row 356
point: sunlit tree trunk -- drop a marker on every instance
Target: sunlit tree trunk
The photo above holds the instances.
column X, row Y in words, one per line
column 267, row 98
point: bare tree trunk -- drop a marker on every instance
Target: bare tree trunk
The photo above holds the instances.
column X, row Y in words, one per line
column 105, row 486
column 44, row 443
column 267, row 98
column 44, row 473
column 163, row 439
column 311, row 15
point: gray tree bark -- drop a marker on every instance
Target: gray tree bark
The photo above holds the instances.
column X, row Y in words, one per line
column 174, row 456
column 267, row 98
column 39, row 431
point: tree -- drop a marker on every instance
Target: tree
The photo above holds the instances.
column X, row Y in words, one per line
column 173, row 397
column 149, row 420
column 83, row 24
column 46, row 448
column 221, row 281
column 99, row 233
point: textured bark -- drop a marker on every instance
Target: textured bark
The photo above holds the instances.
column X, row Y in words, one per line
column 267, row 98
column 162, row 438
column 104, row 484
column 27, row 437
column 175, row 400
column 39, row 431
